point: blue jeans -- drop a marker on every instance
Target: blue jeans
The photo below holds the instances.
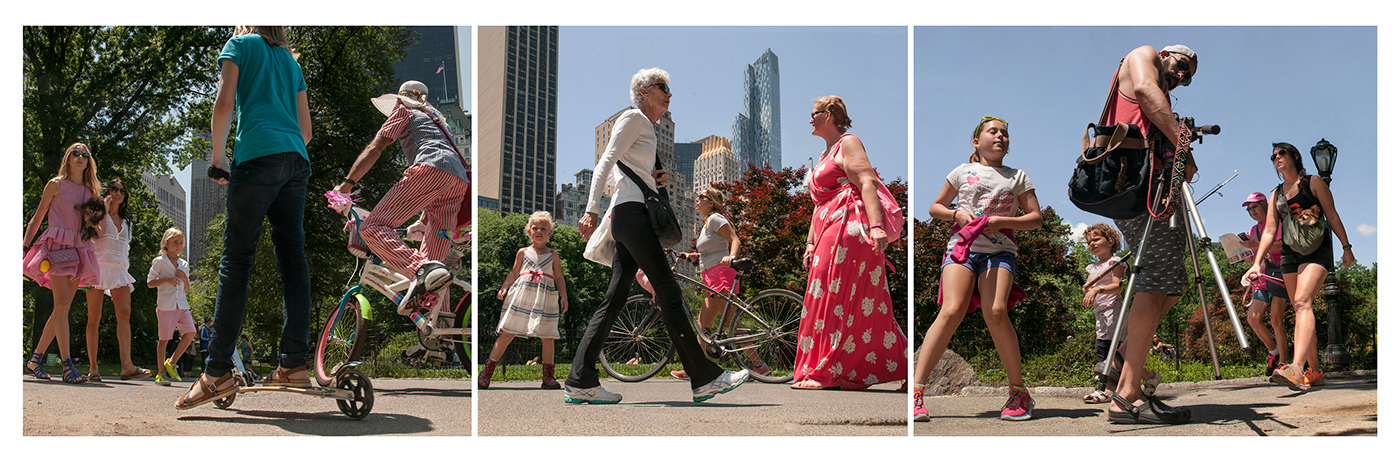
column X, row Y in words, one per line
column 274, row 187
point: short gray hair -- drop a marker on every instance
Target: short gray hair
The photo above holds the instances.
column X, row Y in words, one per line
column 646, row 78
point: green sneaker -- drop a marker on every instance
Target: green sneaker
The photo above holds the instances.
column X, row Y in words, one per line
column 160, row 379
column 174, row 376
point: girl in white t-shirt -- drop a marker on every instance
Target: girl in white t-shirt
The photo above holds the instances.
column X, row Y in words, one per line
column 981, row 258
column 170, row 276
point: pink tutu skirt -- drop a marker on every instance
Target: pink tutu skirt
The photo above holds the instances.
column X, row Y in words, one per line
column 86, row 272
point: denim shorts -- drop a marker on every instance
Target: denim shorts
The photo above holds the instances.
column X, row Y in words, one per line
column 982, row 262
column 1263, row 295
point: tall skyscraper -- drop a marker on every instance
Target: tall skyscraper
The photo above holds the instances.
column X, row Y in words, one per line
column 682, row 198
column 518, row 70
column 171, row 198
column 756, row 130
column 686, row 153
column 433, row 61
column 717, row 164
column 207, row 200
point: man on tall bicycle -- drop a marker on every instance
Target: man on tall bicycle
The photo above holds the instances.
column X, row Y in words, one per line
column 435, row 183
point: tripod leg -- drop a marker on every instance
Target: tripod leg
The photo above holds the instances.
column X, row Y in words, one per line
column 1127, row 296
column 1205, row 311
column 1195, row 215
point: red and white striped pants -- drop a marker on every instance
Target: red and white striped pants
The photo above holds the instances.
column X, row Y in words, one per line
column 425, row 189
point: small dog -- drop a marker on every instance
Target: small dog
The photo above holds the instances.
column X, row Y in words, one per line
column 94, row 212
column 1308, row 216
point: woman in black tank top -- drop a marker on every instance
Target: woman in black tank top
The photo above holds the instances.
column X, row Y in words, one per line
column 1305, row 199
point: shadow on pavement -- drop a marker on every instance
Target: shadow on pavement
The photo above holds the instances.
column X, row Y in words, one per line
column 434, row 392
column 325, row 423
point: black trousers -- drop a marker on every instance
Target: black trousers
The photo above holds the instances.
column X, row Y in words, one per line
column 638, row 247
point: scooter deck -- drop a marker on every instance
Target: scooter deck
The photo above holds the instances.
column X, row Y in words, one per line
column 311, row 391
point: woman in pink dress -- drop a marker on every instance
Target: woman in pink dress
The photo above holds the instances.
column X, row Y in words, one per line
column 848, row 338
column 59, row 259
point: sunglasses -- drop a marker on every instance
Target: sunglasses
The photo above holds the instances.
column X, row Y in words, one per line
column 814, row 113
column 1274, row 156
column 119, row 190
column 82, row 154
column 1184, row 63
column 661, row 86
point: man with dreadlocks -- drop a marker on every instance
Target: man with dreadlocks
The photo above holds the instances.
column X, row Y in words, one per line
column 1141, row 84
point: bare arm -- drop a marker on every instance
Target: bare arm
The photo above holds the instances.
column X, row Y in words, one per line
column 1324, row 197
column 304, row 117
column 559, row 284
column 1265, row 235
column 50, row 190
column 365, row 161
column 853, row 160
column 222, row 117
column 1140, row 77
column 513, row 275
column 939, row 210
column 727, row 232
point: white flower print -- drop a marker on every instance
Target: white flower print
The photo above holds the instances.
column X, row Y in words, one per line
column 822, row 215
column 836, row 369
column 816, row 260
column 837, row 311
column 838, row 214
column 840, row 255
column 834, row 286
column 875, row 275
column 870, row 357
column 850, row 320
column 867, row 305
column 865, row 337
column 850, row 345
column 891, row 365
column 805, row 343
column 889, row 339
column 854, row 228
column 884, row 309
column 819, row 325
column 871, row 380
column 816, row 288
column 861, row 270
column 835, row 339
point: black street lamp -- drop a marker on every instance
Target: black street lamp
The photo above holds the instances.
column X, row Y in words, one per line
column 1335, row 356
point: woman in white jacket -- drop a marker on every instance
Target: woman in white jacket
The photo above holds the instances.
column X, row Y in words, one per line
column 633, row 143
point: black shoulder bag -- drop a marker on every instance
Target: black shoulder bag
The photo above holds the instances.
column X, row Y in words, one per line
column 663, row 219
column 1113, row 170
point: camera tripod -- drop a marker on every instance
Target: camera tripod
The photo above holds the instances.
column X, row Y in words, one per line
column 1184, row 203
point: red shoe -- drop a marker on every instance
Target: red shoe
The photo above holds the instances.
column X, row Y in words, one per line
column 1288, row 376
column 1313, row 377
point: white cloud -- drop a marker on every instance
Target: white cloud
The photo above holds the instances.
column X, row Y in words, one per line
column 1365, row 229
column 1076, row 232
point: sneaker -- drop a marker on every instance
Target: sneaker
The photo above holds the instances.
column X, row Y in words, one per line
column 1313, row 377
column 680, row 375
column 1288, row 376
column 1019, row 405
column 174, row 376
column 722, row 384
column 1096, row 397
column 431, row 276
column 595, row 395
column 761, row 368
column 1270, row 363
column 160, row 379
column 920, row 412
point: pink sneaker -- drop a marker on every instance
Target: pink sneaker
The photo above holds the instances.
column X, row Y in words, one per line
column 680, row 375
column 920, row 412
column 1019, row 405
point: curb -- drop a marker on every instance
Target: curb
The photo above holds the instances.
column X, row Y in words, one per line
column 1074, row 391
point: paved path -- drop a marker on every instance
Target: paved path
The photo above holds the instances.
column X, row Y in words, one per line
column 662, row 407
column 141, row 407
column 1345, row 405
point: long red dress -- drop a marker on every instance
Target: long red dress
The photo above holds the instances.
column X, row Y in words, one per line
column 848, row 336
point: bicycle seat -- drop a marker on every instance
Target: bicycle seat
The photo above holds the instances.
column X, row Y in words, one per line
column 742, row 265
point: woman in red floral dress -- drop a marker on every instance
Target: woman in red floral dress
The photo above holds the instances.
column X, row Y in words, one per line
column 848, row 338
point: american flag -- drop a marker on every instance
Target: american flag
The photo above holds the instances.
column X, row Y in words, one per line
column 440, row 67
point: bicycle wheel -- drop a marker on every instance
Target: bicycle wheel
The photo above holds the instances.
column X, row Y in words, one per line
column 638, row 345
column 342, row 338
column 771, row 324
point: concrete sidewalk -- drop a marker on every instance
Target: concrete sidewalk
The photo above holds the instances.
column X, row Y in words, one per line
column 1344, row 405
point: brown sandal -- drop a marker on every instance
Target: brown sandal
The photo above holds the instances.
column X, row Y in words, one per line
column 282, row 378
column 211, row 391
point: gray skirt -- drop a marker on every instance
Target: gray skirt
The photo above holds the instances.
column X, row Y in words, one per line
column 1163, row 271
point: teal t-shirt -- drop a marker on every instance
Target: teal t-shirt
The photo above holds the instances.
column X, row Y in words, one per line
column 269, row 79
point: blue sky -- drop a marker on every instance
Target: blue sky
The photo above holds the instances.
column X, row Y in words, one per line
column 866, row 66
column 1260, row 84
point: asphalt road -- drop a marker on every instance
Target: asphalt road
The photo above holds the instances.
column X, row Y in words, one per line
column 1345, row 405
column 141, row 407
column 663, row 407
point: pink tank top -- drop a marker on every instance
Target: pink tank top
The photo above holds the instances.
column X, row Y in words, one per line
column 1125, row 109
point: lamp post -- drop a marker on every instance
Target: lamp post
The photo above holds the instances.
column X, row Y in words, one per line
column 1324, row 156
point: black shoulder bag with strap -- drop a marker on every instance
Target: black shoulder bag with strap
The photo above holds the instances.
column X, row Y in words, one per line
column 1113, row 170
column 663, row 219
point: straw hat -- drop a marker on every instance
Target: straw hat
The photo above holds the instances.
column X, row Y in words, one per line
column 386, row 102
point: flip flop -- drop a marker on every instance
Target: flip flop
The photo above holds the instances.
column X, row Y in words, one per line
column 810, row 384
column 139, row 374
column 211, row 391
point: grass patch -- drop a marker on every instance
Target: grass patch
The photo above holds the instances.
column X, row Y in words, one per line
column 389, row 362
column 1072, row 366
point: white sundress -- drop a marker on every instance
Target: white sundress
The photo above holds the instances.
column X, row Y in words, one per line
column 112, row 257
column 531, row 308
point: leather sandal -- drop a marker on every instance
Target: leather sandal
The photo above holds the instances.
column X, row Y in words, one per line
column 70, row 373
column 139, row 374
column 1154, row 411
column 210, row 388
column 283, row 378
column 810, row 384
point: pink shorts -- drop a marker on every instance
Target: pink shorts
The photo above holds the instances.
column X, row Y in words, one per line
column 720, row 278
column 168, row 321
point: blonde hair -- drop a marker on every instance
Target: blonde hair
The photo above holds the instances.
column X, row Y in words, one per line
column 974, row 158
column 836, row 108
column 1108, row 233
column 171, row 233
column 539, row 216
column 716, row 199
column 90, row 172
column 273, row 35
